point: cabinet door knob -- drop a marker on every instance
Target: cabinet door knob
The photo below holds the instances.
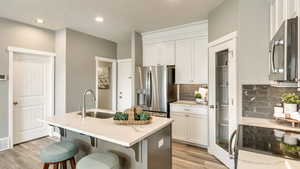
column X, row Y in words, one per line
column 15, row 103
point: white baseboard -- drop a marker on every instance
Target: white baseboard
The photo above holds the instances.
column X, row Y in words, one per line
column 4, row 144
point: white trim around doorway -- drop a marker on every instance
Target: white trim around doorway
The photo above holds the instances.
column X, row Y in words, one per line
column 11, row 51
column 114, row 80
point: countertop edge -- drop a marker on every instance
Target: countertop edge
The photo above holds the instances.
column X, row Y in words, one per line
column 125, row 144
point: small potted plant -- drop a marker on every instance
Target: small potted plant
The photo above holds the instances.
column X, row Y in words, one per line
column 290, row 102
column 198, row 97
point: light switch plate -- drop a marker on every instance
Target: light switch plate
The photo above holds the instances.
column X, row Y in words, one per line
column 3, row 77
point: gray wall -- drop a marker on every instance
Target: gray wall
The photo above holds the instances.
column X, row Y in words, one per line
column 223, row 19
column 254, row 35
column 124, row 50
column 81, row 66
column 251, row 19
column 24, row 36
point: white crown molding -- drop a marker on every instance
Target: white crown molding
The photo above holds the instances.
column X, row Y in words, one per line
column 4, row 143
column 195, row 29
column 176, row 27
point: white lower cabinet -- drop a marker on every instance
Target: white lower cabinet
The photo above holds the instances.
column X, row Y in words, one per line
column 179, row 126
column 198, row 129
column 190, row 123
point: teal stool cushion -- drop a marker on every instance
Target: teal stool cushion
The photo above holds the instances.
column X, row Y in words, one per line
column 59, row 151
column 99, row 161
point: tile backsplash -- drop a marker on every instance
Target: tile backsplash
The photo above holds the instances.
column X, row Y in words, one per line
column 186, row 91
column 259, row 100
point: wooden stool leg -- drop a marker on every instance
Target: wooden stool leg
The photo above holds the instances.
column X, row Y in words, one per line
column 73, row 163
column 63, row 164
column 46, row 166
column 55, row 166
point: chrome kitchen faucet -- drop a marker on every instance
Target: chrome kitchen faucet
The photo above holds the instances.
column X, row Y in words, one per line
column 87, row 92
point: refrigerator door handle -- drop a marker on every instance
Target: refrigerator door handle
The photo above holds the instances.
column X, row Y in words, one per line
column 149, row 89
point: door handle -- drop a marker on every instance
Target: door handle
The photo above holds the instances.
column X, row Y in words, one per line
column 15, row 103
column 230, row 144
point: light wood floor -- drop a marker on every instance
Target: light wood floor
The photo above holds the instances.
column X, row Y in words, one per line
column 26, row 156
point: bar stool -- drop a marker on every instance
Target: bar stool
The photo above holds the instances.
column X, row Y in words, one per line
column 105, row 160
column 58, row 154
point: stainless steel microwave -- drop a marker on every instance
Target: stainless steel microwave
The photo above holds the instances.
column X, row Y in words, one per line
column 284, row 52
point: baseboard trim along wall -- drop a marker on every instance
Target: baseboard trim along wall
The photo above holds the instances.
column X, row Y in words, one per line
column 4, row 144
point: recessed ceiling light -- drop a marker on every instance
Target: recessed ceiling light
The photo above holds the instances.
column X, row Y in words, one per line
column 40, row 21
column 99, row 19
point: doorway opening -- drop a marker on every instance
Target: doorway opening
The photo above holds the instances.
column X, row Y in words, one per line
column 106, row 83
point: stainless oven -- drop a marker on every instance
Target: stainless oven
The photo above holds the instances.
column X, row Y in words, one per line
column 284, row 52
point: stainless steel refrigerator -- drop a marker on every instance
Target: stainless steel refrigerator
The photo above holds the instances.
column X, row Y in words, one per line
column 156, row 88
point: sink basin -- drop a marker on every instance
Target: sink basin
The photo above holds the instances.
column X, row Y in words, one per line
column 99, row 115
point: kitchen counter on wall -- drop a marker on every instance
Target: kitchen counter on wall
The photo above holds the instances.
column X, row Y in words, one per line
column 267, row 123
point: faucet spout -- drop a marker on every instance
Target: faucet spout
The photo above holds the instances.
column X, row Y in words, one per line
column 87, row 92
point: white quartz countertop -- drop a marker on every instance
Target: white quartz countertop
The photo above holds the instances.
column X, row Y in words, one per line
column 106, row 129
column 267, row 123
column 249, row 160
column 185, row 102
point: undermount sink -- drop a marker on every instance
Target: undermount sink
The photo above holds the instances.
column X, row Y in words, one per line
column 99, row 115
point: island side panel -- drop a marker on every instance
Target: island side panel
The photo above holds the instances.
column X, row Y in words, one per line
column 160, row 149
column 154, row 152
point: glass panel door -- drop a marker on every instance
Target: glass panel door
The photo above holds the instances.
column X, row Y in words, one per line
column 222, row 100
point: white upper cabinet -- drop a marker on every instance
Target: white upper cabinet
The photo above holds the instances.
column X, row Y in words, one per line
column 192, row 61
column 185, row 46
column 162, row 53
column 200, row 62
column 184, row 55
column 281, row 10
column 167, row 53
column 292, row 8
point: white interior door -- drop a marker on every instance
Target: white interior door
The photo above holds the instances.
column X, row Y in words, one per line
column 32, row 97
column 222, row 99
column 125, row 80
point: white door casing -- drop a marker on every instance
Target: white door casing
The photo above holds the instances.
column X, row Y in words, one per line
column 125, row 81
column 31, row 93
column 227, row 42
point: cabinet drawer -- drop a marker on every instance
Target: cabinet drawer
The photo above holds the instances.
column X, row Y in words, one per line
column 195, row 109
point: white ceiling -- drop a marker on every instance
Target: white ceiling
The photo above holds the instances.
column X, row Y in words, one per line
column 120, row 16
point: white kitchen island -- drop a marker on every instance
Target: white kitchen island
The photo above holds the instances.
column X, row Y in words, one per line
column 138, row 146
